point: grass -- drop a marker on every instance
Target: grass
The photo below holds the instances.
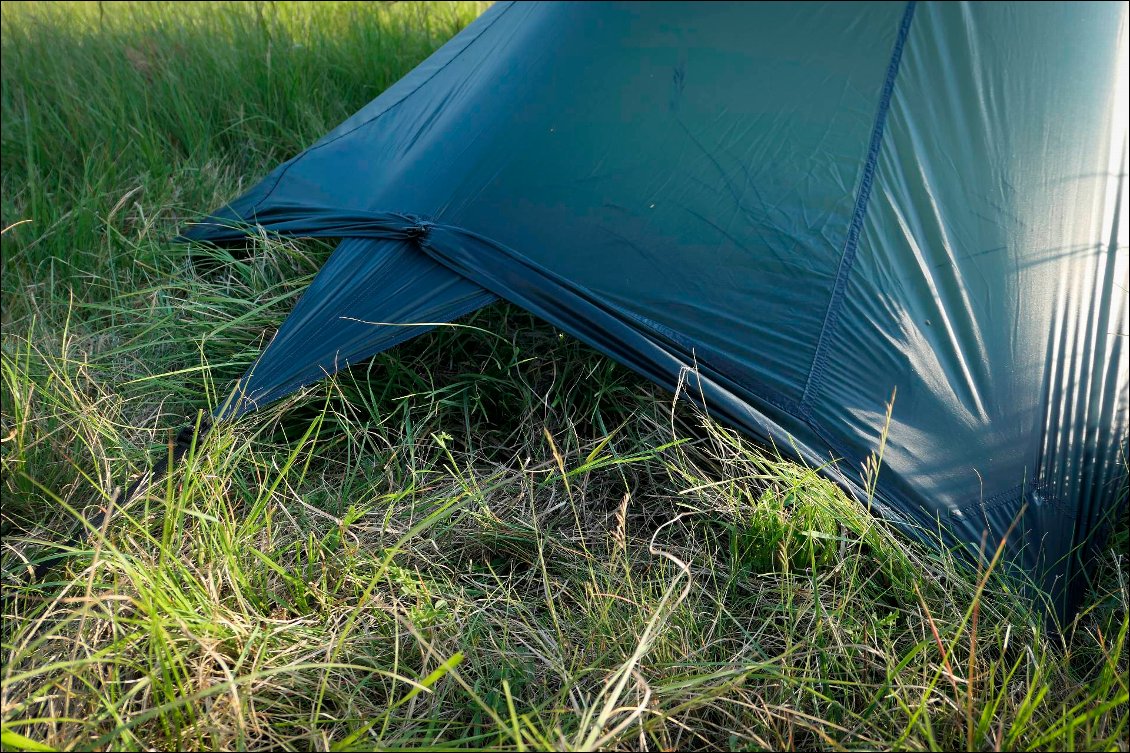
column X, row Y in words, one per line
column 489, row 537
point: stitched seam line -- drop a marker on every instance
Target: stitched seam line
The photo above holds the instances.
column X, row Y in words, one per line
column 847, row 259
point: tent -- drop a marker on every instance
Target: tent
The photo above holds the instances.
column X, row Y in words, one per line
column 796, row 210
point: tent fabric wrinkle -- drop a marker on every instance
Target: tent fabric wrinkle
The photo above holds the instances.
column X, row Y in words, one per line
column 790, row 211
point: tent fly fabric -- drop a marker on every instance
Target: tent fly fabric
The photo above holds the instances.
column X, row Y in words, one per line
column 797, row 209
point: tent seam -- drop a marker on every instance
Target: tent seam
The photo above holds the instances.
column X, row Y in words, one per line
column 816, row 372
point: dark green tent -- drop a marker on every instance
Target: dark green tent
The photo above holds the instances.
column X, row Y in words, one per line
column 796, row 209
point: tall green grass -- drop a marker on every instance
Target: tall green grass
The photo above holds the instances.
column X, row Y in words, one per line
column 489, row 537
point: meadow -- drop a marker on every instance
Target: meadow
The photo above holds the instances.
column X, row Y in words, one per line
column 489, row 537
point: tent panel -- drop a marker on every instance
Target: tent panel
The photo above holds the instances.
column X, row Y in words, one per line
column 369, row 296
column 985, row 290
